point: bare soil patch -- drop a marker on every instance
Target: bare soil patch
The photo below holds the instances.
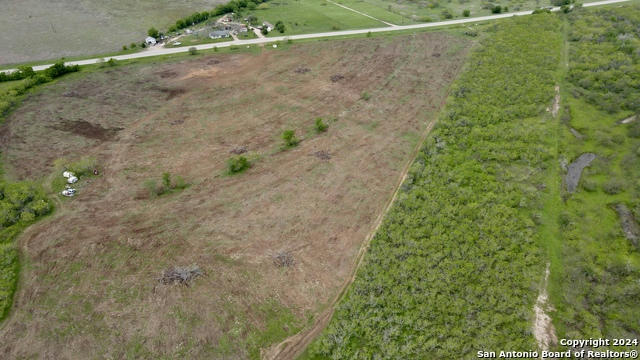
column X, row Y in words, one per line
column 576, row 133
column 167, row 74
column 322, row 155
column 90, row 288
column 302, row 70
column 543, row 329
column 628, row 120
column 171, row 93
column 574, row 171
column 629, row 225
column 238, row 150
column 337, row 77
column 88, row 130
column 555, row 108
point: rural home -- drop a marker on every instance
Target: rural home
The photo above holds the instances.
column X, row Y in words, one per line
column 150, row 40
column 218, row 34
column 268, row 26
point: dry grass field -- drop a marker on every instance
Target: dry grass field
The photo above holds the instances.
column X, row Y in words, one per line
column 32, row 30
column 89, row 283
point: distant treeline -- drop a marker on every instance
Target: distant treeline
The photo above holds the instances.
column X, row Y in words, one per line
column 57, row 70
column 10, row 98
column 233, row 6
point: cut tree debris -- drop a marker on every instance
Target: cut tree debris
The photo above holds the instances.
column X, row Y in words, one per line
column 283, row 259
column 180, row 275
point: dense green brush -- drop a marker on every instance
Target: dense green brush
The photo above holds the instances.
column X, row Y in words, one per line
column 456, row 264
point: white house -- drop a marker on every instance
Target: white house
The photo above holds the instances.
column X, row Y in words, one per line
column 150, row 40
column 268, row 26
column 218, row 34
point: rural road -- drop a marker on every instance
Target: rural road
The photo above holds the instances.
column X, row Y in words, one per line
column 158, row 51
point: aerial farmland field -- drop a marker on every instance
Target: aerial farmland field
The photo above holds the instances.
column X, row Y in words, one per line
column 312, row 205
column 268, row 186
column 32, row 30
column 403, row 12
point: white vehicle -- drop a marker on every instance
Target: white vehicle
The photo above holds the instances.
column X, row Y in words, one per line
column 67, row 174
column 69, row 192
column 72, row 179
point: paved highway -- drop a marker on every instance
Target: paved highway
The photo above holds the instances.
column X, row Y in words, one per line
column 158, row 50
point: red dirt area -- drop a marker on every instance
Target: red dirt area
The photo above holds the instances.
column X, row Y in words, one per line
column 274, row 243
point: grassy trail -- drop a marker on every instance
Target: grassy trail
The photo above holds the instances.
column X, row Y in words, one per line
column 550, row 232
column 594, row 284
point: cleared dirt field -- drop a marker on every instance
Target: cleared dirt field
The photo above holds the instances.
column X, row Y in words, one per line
column 89, row 285
column 33, row 30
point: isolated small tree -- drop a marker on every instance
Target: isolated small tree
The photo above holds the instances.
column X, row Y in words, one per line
column 193, row 50
column 133, row 46
column 289, row 137
column 496, row 9
column 166, row 180
column 153, row 32
column 179, row 183
column 321, row 126
column 152, row 187
column 280, row 26
column 369, row 34
column 237, row 164
column 124, row 47
column 466, row 13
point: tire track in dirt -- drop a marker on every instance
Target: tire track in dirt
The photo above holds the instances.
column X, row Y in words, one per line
column 543, row 329
column 294, row 345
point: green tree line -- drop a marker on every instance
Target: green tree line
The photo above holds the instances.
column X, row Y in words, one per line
column 455, row 266
column 21, row 204
column 234, row 6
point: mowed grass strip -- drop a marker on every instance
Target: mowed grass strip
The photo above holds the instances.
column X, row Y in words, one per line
column 310, row 16
column 456, row 265
column 379, row 12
